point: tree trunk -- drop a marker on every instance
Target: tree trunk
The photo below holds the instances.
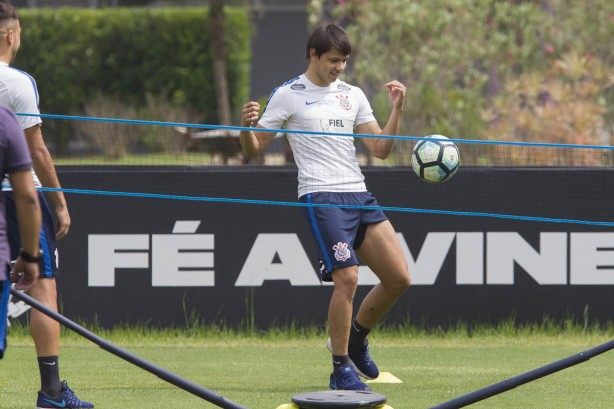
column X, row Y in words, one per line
column 216, row 29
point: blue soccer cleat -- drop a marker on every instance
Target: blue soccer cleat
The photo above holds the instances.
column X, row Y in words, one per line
column 345, row 378
column 360, row 360
column 65, row 400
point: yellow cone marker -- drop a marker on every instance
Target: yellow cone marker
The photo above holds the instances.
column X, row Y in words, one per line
column 385, row 377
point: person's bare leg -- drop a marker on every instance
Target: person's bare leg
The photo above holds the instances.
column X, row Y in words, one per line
column 382, row 252
column 45, row 331
column 340, row 308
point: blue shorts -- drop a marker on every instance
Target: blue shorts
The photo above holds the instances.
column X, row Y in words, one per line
column 5, row 291
column 48, row 267
column 339, row 231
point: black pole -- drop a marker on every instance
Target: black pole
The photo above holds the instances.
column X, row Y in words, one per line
column 511, row 383
column 133, row 359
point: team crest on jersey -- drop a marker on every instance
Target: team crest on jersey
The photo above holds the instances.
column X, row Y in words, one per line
column 343, row 87
column 342, row 252
column 344, row 102
column 298, row 87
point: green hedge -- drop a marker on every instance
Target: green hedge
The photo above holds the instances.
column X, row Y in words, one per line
column 131, row 54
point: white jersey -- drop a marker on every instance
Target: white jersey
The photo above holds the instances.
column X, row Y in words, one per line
column 326, row 163
column 18, row 92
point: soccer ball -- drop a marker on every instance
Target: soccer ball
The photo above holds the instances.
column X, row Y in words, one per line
column 435, row 159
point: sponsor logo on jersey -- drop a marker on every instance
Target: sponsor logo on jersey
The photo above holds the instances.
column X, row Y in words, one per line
column 343, row 87
column 298, row 87
column 344, row 102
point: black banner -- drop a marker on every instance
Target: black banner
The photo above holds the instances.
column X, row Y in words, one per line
column 165, row 261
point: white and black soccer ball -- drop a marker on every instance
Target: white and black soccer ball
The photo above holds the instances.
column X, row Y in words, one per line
column 435, row 158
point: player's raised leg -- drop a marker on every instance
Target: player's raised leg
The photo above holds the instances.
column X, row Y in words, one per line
column 382, row 252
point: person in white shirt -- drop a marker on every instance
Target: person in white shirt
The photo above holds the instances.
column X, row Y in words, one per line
column 319, row 103
column 15, row 160
column 18, row 92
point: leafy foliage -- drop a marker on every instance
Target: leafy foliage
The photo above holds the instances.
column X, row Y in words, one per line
column 130, row 55
column 564, row 106
column 459, row 58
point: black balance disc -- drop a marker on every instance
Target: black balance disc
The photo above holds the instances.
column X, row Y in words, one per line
column 339, row 399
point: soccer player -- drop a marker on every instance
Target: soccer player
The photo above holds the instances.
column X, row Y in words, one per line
column 19, row 93
column 15, row 161
column 328, row 173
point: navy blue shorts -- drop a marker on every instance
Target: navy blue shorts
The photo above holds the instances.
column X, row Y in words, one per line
column 48, row 267
column 5, row 288
column 339, row 231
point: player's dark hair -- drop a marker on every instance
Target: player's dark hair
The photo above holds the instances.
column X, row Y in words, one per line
column 7, row 12
column 326, row 37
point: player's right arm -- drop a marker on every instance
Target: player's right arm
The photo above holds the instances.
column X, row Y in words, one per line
column 253, row 142
column 45, row 170
column 27, row 102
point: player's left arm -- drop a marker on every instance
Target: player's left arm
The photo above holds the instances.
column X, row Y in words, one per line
column 45, row 170
column 381, row 147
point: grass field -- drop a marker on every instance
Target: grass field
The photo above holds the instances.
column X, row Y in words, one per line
column 157, row 159
column 264, row 371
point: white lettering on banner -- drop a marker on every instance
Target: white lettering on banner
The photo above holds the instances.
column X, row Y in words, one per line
column 106, row 252
column 469, row 258
column 186, row 259
column 431, row 257
column 182, row 260
column 592, row 258
column 549, row 266
column 293, row 264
